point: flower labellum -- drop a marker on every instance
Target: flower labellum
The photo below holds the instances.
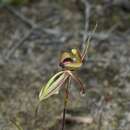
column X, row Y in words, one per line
column 71, row 60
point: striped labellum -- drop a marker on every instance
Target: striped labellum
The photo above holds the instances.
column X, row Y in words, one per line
column 71, row 60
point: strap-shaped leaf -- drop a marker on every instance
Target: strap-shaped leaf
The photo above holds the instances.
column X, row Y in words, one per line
column 53, row 85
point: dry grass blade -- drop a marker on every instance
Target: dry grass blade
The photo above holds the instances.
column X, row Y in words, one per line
column 16, row 124
column 85, row 51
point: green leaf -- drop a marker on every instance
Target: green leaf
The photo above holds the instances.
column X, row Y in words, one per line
column 53, row 85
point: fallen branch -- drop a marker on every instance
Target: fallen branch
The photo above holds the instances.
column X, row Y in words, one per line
column 77, row 119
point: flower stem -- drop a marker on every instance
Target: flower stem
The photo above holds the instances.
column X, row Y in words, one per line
column 65, row 103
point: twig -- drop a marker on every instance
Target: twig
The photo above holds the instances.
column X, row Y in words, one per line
column 16, row 124
column 88, row 43
column 87, row 14
column 30, row 24
column 86, row 22
column 77, row 119
column 100, row 36
column 97, row 35
column 56, row 32
column 113, row 28
column 8, row 55
column 100, row 121
column 100, row 113
column 26, row 21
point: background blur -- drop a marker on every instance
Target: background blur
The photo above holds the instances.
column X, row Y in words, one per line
column 33, row 33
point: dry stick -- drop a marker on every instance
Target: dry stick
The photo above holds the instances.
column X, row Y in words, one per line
column 86, row 21
column 24, row 20
column 34, row 26
column 65, row 103
column 18, row 126
column 101, row 114
column 28, row 22
column 98, row 35
column 84, row 53
column 18, row 44
column 36, row 112
column 87, row 16
column 77, row 119
column 100, row 122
